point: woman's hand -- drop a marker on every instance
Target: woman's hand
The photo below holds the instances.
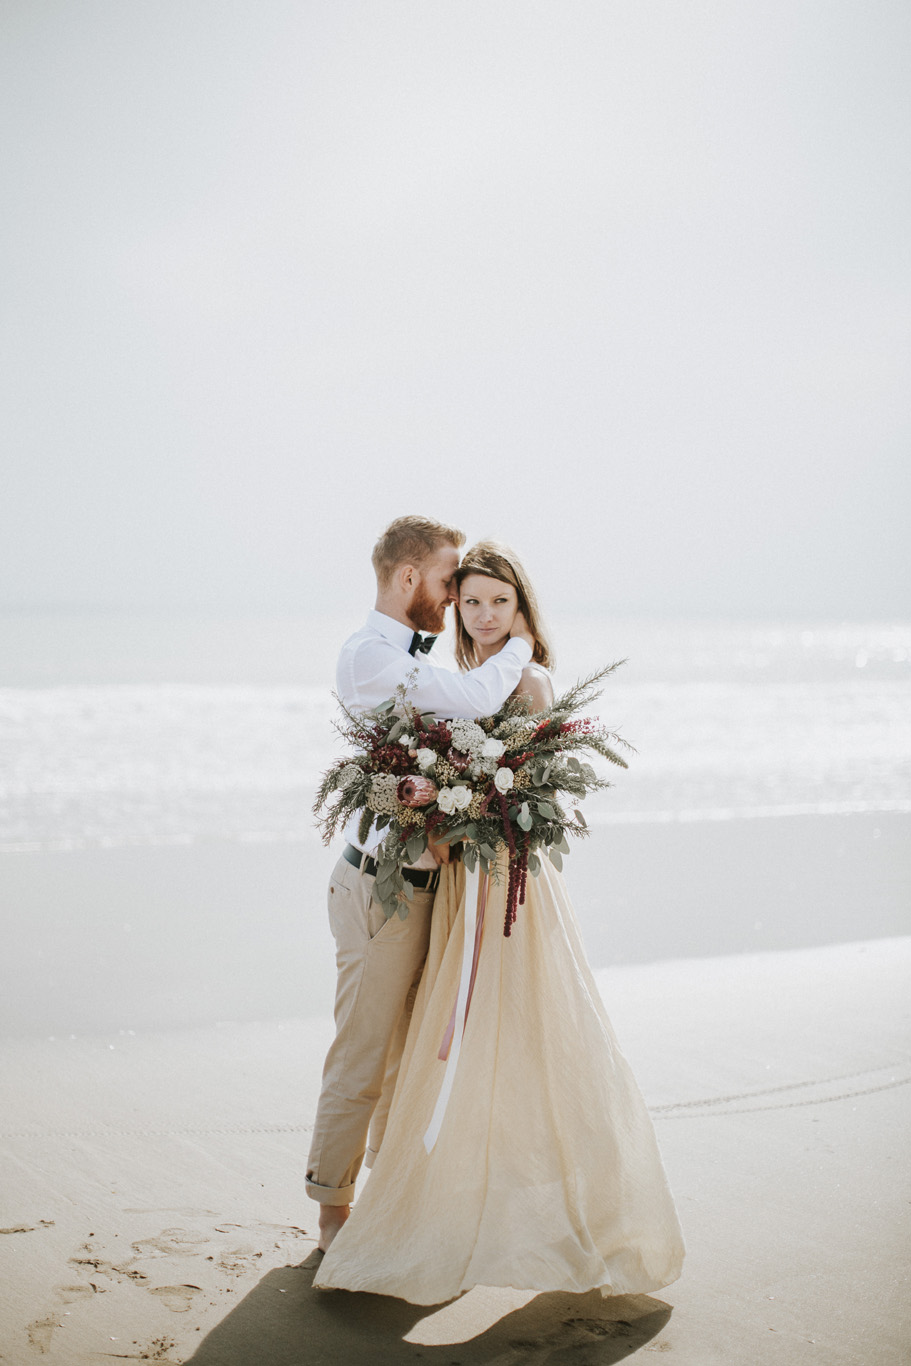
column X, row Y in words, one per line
column 519, row 631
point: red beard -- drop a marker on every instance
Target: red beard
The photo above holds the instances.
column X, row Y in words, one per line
column 425, row 612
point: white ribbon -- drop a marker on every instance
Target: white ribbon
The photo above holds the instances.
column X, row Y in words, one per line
column 472, row 889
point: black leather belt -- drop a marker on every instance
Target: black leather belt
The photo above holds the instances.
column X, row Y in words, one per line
column 426, row 878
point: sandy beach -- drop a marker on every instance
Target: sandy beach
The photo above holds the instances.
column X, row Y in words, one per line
column 317, row 308
column 153, row 1203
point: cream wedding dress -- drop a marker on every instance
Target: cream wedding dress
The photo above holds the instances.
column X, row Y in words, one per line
column 546, row 1173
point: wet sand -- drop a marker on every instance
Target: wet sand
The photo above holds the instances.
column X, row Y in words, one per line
column 149, row 938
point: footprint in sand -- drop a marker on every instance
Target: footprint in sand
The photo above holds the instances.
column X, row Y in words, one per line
column 573, row 1334
column 88, row 1264
column 171, row 1242
column 69, row 1294
column 40, row 1333
column 177, row 1297
column 238, row 1260
column 602, row 1328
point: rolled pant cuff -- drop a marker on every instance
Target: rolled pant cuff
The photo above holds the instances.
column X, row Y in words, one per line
column 330, row 1195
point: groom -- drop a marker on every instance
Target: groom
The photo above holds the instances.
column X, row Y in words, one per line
column 380, row 961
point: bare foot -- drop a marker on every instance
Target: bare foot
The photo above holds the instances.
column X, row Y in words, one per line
column 331, row 1218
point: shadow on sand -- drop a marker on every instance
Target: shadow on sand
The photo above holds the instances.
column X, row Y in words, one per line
column 307, row 1327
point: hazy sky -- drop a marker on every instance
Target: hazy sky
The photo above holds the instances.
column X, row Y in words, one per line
column 626, row 284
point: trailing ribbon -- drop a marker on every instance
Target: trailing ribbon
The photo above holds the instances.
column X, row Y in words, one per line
column 472, row 925
column 478, row 934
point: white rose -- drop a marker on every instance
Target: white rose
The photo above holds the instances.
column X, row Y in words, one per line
column 426, row 757
column 503, row 779
column 406, row 741
column 445, row 801
column 492, row 749
column 461, row 796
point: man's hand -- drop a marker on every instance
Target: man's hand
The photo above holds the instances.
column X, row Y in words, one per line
column 519, row 631
column 440, row 851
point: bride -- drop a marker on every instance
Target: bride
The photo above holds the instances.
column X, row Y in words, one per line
column 545, row 1173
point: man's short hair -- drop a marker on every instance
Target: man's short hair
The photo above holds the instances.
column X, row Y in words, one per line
column 410, row 540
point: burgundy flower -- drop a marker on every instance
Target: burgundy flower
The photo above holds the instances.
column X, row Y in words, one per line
column 415, row 791
column 459, row 761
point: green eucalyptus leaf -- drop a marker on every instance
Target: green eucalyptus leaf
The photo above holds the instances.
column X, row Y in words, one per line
column 556, row 859
column 458, row 832
column 488, row 853
column 415, row 847
column 534, row 864
column 580, row 818
column 389, row 903
column 524, row 820
column 546, row 810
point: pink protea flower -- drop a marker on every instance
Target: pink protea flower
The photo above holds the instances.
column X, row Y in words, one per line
column 415, row 791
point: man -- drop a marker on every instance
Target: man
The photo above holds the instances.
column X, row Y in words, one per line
column 379, row 962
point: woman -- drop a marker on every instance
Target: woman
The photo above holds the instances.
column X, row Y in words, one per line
column 544, row 1173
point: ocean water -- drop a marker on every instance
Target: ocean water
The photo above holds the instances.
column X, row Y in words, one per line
column 119, row 731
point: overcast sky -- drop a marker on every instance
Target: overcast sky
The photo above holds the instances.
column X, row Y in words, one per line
column 625, row 284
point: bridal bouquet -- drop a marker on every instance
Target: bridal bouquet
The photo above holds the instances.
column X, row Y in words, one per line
column 502, row 782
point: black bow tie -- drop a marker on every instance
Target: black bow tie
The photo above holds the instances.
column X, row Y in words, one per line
column 421, row 645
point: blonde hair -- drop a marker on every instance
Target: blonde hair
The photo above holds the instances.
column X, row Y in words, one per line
column 495, row 560
column 410, row 540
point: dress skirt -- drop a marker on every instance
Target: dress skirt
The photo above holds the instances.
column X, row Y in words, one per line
column 546, row 1173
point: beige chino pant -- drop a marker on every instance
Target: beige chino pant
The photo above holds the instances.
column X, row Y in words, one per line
column 379, row 965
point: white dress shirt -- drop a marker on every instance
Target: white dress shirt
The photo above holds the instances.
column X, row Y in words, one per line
column 375, row 660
